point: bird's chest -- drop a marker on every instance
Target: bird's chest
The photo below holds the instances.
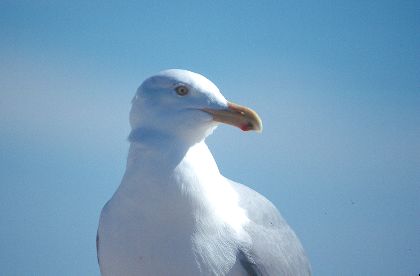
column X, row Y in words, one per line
column 168, row 225
column 133, row 243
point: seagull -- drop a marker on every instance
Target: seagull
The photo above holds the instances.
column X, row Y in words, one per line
column 174, row 213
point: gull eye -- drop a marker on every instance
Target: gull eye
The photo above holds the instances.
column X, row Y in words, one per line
column 182, row 90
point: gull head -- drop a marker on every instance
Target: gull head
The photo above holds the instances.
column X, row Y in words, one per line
column 186, row 105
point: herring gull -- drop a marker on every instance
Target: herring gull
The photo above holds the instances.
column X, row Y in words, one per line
column 174, row 213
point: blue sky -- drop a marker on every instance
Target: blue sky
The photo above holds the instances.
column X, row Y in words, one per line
column 335, row 82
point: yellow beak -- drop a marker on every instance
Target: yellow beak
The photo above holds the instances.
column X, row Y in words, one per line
column 236, row 115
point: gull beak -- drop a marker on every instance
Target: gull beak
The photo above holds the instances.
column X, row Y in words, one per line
column 236, row 115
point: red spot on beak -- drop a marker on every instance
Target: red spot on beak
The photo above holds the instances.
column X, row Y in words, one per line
column 246, row 127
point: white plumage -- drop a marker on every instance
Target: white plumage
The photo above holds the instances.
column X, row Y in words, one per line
column 174, row 213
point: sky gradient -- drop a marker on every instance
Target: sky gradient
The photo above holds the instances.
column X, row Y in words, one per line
column 337, row 84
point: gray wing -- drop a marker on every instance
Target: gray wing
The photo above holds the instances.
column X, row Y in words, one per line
column 275, row 248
